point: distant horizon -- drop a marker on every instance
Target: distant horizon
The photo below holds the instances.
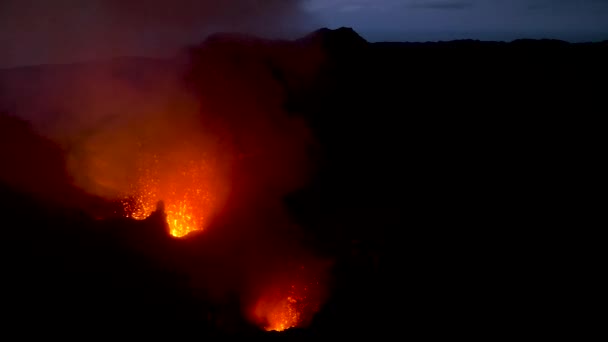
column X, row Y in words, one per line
column 48, row 32
column 371, row 36
column 375, row 36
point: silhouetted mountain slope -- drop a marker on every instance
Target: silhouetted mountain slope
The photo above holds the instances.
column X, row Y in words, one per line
column 334, row 40
column 438, row 159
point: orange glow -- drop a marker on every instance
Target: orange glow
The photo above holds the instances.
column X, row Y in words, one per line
column 279, row 310
column 280, row 314
column 187, row 189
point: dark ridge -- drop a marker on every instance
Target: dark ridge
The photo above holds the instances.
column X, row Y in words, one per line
column 338, row 39
column 541, row 42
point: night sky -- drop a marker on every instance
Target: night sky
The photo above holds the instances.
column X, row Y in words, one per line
column 39, row 31
column 431, row 20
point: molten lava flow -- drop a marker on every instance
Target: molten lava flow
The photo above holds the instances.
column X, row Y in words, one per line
column 186, row 188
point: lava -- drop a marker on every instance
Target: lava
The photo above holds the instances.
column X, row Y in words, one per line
column 284, row 315
column 284, row 307
column 187, row 188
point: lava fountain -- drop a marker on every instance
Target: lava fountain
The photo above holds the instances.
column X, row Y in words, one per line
column 185, row 182
column 281, row 310
column 288, row 303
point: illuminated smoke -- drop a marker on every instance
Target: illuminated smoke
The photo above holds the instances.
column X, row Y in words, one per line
column 208, row 136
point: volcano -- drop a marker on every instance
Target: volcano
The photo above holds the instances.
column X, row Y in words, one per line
column 324, row 187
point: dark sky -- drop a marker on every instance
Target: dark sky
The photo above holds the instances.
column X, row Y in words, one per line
column 41, row 31
column 420, row 20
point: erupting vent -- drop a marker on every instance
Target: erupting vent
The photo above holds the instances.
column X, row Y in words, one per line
column 292, row 306
column 186, row 188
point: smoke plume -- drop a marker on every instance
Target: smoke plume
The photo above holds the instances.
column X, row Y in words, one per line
column 205, row 132
column 36, row 32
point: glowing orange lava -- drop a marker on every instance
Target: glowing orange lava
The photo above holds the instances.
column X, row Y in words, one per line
column 280, row 313
column 186, row 188
column 279, row 310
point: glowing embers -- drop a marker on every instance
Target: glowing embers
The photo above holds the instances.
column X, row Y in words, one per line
column 281, row 308
column 187, row 188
